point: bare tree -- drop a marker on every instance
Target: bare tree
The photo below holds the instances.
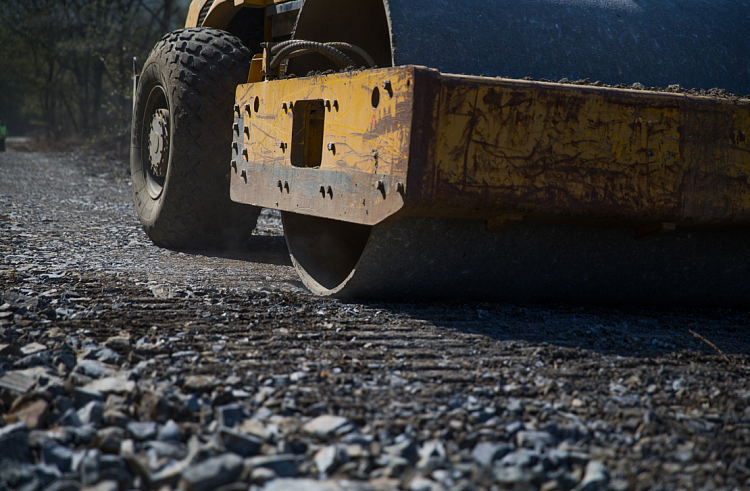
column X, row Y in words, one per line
column 71, row 59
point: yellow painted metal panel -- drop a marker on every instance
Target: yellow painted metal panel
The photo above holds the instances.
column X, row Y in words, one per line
column 356, row 129
column 193, row 12
column 554, row 149
column 522, row 140
column 486, row 148
column 358, row 156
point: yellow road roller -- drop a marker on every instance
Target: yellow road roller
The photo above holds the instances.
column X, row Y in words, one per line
column 582, row 151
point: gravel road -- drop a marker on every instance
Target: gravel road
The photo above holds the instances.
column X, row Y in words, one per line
column 125, row 366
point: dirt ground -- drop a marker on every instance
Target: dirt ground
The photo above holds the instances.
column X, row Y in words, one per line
column 659, row 396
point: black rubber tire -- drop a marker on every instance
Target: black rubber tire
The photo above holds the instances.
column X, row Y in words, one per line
column 190, row 79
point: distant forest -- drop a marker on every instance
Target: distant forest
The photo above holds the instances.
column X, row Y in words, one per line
column 66, row 65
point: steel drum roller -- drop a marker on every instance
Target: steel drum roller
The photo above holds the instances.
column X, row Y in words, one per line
column 657, row 43
column 693, row 43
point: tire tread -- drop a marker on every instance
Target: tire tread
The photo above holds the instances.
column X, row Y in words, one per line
column 201, row 68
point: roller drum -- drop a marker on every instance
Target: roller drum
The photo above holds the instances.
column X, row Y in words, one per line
column 445, row 258
column 692, row 43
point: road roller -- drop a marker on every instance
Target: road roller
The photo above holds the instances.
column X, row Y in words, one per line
column 575, row 151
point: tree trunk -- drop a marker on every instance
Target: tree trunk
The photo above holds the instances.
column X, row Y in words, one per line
column 166, row 18
column 96, row 98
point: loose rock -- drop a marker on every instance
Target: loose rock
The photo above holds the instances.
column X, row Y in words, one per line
column 485, row 453
column 327, row 425
column 212, row 473
column 198, row 356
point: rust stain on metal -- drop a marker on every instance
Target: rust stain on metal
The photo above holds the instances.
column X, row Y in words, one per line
column 557, row 150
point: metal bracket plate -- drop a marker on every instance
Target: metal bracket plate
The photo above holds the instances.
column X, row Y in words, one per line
column 333, row 146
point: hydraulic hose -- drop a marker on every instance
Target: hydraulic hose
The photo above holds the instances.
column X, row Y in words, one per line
column 329, row 52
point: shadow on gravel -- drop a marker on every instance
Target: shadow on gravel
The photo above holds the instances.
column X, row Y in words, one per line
column 627, row 332
column 268, row 249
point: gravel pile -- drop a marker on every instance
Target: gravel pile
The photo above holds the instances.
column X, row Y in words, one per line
column 153, row 410
column 124, row 366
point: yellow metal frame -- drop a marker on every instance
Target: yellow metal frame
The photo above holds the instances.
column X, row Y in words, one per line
column 222, row 11
column 497, row 149
column 552, row 149
column 364, row 142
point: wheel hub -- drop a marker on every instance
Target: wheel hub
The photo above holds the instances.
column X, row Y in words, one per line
column 158, row 143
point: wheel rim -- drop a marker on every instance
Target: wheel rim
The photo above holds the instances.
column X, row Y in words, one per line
column 156, row 138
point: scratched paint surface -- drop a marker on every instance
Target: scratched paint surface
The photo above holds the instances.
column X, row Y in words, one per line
column 497, row 147
column 363, row 156
column 563, row 150
column 368, row 138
